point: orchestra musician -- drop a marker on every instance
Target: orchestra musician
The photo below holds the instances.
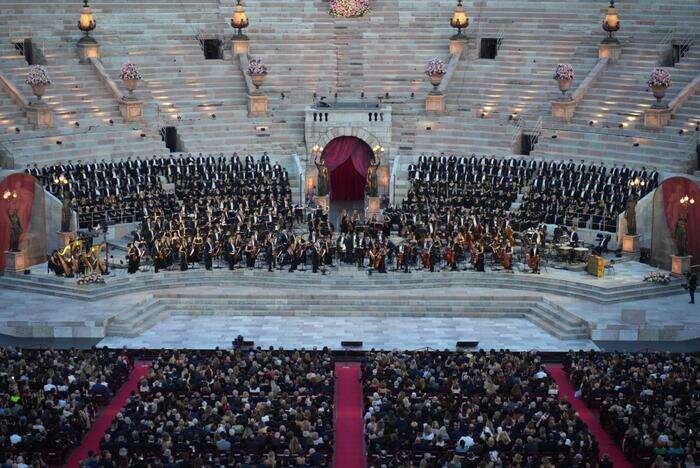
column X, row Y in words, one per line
column 533, row 259
column 207, row 253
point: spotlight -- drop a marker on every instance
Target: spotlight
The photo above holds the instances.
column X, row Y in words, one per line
column 428, row 127
column 213, row 116
column 386, row 95
column 681, row 131
column 362, row 94
column 77, row 124
column 282, row 94
column 554, row 137
column 413, row 94
column 315, row 95
column 335, row 96
column 143, row 135
column 111, row 122
column 620, row 126
column 591, row 123
column 483, row 115
column 635, row 144
column 179, row 117
column 59, row 142
column 17, row 130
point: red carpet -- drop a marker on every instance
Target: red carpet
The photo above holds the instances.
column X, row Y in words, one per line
column 349, row 434
column 606, row 443
column 106, row 416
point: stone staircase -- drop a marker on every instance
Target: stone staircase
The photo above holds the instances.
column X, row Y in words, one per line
column 161, row 306
column 348, row 280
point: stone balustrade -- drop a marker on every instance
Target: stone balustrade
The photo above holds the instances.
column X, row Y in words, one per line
column 657, row 118
column 38, row 113
column 131, row 109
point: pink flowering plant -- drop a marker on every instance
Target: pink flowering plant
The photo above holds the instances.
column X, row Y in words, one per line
column 37, row 75
column 349, row 8
column 257, row 67
column 435, row 66
column 564, row 71
column 129, row 71
column 659, row 78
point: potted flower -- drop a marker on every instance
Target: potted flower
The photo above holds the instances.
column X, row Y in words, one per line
column 130, row 75
column 349, row 8
column 564, row 76
column 257, row 71
column 659, row 81
column 38, row 79
column 435, row 69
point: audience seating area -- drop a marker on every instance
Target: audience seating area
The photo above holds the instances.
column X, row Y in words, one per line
column 258, row 408
column 648, row 402
column 49, row 399
column 447, row 409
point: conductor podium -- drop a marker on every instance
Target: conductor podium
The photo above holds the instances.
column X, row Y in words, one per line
column 596, row 266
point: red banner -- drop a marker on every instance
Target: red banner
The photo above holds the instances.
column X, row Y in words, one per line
column 674, row 189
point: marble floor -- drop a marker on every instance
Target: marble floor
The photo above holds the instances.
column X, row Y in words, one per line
column 374, row 332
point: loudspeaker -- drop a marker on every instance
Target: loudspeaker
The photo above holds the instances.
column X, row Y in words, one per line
column 467, row 344
column 351, row 344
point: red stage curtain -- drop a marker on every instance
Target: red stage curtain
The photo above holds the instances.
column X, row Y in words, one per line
column 673, row 189
column 347, row 159
column 347, row 183
column 23, row 184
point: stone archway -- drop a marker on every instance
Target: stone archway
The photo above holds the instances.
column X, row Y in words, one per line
column 363, row 134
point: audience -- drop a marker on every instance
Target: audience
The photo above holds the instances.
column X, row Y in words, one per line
column 48, row 399
column 649, row 402
column 256, row 408
column 492, row 408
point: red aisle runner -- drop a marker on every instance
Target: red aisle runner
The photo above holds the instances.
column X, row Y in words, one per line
column 349, row 436
column 604, row 440
column 106, row 416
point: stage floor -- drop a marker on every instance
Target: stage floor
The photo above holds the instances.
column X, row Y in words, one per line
column 554, row 311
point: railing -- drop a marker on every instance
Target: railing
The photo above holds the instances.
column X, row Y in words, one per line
column 516, row 131
column 665, row 42
column 537, row 132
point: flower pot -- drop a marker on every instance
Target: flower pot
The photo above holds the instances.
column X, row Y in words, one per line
column 435, row 80
column 39, row 90
column 659, row 93
column 564, row 86
column 257, row 80
column 131, row 85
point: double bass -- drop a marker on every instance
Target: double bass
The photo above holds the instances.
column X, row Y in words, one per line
column 533, row 260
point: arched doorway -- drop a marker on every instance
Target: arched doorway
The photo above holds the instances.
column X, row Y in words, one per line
column 347, row 159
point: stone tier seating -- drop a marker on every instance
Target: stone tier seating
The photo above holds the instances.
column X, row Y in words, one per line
column 234, row 406
column 646, row 401
column 459, row 408
column 50, row 398
column 384, row 52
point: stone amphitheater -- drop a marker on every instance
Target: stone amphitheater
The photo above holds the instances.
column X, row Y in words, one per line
column 497, row 99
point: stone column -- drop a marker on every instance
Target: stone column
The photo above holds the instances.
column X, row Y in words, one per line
column 257, row 105
column 563, row 109
column 131, row 109
column 16, row 262
column 39, row 115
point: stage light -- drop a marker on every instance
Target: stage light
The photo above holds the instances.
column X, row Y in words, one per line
column 459, row 20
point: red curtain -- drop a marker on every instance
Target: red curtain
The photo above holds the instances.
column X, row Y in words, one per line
column 347, row 159
column 673, row 190
column 347, row 183
column 23, row 185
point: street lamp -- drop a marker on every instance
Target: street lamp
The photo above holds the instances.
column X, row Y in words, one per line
column 239, row 20
column 611, row 24
column 459, row 20
column 87, row 20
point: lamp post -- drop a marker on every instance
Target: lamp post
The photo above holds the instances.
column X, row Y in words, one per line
column 239, row 20
column 87, row 46
column 611, row 24
column 87, row 20
column 459, row 21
